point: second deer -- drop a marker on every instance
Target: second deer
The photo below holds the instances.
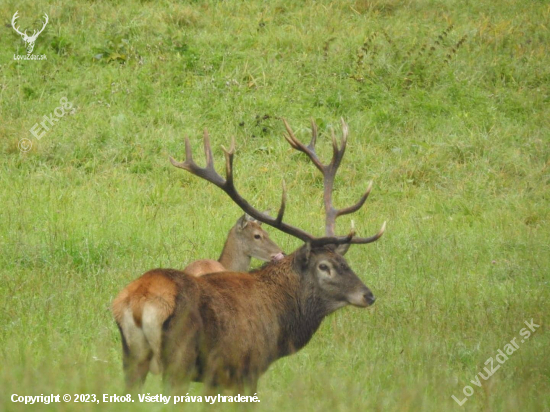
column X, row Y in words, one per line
column 244, row 241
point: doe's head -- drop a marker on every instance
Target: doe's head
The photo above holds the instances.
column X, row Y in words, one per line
column 255, row 241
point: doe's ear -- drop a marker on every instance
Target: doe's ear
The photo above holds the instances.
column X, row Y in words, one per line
column 251, row 219
column 243, row 221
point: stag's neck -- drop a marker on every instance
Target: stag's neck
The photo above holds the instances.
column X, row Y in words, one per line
column 300, row 310
column 233, row 258
column 299, row 328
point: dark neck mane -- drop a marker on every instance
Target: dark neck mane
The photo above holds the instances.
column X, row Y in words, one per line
column 301, row 310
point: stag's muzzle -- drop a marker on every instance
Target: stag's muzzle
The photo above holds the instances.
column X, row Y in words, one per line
column 362, row 298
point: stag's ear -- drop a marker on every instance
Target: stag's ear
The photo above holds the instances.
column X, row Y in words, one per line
column 303, row 255
column 342, row 249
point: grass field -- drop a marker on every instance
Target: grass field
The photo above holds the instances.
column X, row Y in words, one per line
column 449, row 113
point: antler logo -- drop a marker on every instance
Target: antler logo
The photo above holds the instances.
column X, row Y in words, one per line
column 29, row 40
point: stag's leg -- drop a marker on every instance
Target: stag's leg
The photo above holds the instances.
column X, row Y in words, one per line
column 153, row 317
column 179, row 351
column 136, row 354
column 252, row 385
column 135, row 371
column 210, row 389
column 178, row 369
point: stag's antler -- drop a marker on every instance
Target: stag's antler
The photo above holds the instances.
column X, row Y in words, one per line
column 329, row 172
column 209, row 173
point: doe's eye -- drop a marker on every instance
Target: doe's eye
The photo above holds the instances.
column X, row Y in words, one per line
column 323, row 267
column 257, row 236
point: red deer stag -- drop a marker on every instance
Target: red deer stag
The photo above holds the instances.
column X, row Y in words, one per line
column 225, row 329
column 244, row 241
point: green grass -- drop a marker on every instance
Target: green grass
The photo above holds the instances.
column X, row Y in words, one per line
column 456, row 139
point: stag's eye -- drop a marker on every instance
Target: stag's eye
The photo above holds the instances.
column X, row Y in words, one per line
column 257, row 236
column 323, row 267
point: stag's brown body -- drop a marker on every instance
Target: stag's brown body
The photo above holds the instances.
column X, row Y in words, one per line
column 226, row 328
column 152, row 296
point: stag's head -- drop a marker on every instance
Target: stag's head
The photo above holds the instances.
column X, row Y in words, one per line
column 320, row 261
column 29, row 40
column 330, row 278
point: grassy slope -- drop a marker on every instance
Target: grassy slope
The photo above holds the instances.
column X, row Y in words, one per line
column 458, row 150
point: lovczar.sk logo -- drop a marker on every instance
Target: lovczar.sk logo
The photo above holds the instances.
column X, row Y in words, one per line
column 29, row 40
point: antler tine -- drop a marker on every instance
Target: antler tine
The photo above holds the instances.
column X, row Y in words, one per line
column 188, row 152
column 188, row 157
column 309, row 150
column 350, row 238
column 290, row 138
column 365, row 240
column 338, row 152
column 329, row 173
column 208, row 173
column 335, row 148
column 281, row 212
column 229, row 161
column 358, row 205
column 344, row 140
column 208, row 150
column 313, row 142
column 345, row 131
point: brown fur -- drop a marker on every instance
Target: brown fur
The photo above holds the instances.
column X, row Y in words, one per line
column 226, row 328
column 153, row 286
column 203, row 266
column 154, row 294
